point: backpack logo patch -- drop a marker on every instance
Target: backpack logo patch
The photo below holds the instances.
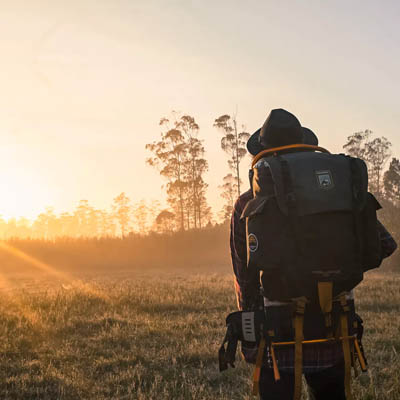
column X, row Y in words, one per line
column 324, row 179
column 253, row 242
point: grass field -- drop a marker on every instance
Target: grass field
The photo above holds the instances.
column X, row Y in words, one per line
column 157, row 338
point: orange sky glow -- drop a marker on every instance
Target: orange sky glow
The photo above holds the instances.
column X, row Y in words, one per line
column 85, row 83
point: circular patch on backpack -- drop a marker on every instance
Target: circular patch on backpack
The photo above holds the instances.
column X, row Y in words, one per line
column 253, row 242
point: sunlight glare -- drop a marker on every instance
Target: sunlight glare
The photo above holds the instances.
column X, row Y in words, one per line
column 22, row 193
column 78, row 284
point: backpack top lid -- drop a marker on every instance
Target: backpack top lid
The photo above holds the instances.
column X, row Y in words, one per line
column 318, row 182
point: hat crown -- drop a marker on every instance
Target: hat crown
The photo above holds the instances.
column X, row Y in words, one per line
column 281, row 128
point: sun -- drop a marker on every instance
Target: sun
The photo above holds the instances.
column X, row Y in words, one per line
column 23, row 193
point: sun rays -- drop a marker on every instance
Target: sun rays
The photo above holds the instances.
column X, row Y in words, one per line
column 68, row 281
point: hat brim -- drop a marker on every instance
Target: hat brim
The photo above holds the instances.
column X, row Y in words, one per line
column 254, row 146
column 309, row 137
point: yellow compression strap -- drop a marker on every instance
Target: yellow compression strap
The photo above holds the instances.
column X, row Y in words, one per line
column 346, row 346
column 299, row 146
column 257, row 371
column 325, row 301
column 277, row 375
column 353, row 362
column 311, row 341
column 298, row 347
column 360, row 357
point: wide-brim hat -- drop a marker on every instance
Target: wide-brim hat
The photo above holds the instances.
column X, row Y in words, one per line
column 280, row 128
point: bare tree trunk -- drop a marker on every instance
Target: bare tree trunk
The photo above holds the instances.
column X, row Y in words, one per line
column 379, row 181
column 181, row 206
column 199, row 210
column 236, row 154
column 194, row 199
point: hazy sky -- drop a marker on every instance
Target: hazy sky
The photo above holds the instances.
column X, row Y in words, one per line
column 85, row 83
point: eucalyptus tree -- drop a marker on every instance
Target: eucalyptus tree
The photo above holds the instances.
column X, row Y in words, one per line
column 391, row 182
column 233, row 142
column 374, row 151
column 179, row 156
column 122, row 211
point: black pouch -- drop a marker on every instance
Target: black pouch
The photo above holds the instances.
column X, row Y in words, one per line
column 244, row 326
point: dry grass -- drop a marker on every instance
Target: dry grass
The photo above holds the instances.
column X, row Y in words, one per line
column 153, row 338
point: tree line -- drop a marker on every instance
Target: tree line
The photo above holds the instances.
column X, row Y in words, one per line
column 384, row 182
column 180, row 157
column 123, row 218
column 384, row 176
column 184, row 168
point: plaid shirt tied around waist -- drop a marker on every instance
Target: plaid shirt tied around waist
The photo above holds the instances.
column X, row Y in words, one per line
column 316, row 357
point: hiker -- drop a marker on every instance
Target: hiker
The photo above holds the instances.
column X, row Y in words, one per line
column 322, row 364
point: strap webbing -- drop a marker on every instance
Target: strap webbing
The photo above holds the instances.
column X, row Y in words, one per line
column 298, row 347
column 360, row 356
column 257, row 370
column 277, row 375
column 346, row 346
column 325, row 301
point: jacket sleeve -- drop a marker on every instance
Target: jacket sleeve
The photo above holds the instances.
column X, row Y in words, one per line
column 389, row 245
column 247, row 286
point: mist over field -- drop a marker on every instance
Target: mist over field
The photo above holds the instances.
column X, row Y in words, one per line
column 80, row 320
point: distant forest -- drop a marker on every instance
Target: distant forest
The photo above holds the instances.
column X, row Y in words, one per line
column 179, row 156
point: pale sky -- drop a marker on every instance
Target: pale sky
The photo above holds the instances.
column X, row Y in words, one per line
column 85, row 83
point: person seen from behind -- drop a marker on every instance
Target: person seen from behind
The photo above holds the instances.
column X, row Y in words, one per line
column 323, row 364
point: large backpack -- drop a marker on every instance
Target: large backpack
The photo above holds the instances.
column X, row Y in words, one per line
column 311, row 219
column 312, row 232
